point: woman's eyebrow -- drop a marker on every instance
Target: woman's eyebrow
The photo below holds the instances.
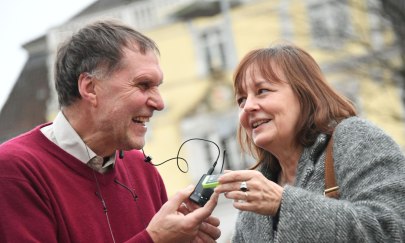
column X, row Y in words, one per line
column 260, row 83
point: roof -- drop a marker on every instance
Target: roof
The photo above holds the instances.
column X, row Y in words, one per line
column 202, row 9
column 102, row 5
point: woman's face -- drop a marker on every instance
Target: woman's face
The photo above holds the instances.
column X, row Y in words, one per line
column 269, row 110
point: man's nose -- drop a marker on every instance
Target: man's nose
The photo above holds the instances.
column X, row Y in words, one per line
column 156, row 101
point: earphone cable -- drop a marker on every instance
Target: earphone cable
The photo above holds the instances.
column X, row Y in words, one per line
column 98, row 193
column 177, row 158
column 100, row 196
column 223, row 162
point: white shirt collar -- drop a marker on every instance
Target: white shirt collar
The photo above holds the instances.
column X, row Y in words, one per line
column 62, row 134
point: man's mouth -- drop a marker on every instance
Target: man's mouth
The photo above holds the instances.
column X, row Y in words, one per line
column 258, row 123
column 140, row 120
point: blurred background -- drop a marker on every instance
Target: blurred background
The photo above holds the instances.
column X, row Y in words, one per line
column 358, row 44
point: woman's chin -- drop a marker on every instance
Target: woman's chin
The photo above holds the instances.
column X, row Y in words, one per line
column 260, row 141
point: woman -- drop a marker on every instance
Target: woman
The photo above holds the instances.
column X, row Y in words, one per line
column 288, row 113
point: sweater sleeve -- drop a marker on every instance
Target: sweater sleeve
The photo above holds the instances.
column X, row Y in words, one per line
column 25, row 214
column 370, row 170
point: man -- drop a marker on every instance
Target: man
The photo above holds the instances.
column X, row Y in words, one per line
column 67, row 182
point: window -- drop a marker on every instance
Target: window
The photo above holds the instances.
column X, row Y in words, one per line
column 213, row 47
column 330, row 22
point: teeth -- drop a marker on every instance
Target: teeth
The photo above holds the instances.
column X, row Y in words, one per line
column 141, row 119
column 258, row 123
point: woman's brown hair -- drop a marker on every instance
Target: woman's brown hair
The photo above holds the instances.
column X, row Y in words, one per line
column 322, row 107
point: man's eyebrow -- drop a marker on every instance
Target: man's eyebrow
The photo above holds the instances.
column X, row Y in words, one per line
column 149, row 78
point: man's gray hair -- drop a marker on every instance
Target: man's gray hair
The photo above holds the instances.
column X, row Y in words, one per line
column 96, row 49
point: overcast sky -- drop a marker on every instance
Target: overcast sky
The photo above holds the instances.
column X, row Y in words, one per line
column 22, row 21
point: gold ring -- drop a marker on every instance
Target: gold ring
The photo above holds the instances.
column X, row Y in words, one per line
column 246, row 195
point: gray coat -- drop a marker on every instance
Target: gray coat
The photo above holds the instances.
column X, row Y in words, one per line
column 370, row 170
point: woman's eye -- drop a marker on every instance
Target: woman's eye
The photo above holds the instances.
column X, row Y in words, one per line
column 241, row 101
column 261, row 91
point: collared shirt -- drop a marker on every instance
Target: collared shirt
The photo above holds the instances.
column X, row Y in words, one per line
column 62, row 134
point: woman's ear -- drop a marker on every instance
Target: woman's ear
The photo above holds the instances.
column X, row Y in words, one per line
column 86, row 84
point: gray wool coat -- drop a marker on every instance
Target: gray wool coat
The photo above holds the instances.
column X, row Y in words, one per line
column 370, row 170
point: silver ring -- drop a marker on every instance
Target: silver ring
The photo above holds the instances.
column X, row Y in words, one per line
column 243, row 186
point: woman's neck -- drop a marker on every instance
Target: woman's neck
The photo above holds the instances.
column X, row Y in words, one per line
column 289, row 163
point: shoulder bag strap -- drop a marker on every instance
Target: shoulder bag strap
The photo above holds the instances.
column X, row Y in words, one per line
column 331, row 188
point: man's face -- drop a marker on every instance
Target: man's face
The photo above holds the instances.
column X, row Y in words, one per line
column 127, row 99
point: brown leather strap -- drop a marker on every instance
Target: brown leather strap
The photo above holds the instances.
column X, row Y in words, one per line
column 331, row 188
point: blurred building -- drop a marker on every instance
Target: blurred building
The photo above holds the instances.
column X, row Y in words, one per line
column 26, row 104
column 201, row 42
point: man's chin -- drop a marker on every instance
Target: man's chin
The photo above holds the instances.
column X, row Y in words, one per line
column 138, row 144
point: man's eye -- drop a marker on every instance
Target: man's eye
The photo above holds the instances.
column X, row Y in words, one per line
column 143, row 86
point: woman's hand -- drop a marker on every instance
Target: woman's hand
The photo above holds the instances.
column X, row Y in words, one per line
column 262, row 195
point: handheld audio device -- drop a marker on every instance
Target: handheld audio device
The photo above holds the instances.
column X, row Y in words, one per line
column 201, row 195
column 211, row 181
column 205, row 186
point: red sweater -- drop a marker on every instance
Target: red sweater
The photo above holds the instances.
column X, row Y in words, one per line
column 47, row 195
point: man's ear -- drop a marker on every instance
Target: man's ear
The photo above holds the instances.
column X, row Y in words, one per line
column 86, row 84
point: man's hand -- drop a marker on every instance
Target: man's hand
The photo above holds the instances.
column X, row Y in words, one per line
column 179, row 220
column 208, row 231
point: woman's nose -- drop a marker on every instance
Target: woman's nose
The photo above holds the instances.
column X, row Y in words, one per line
column 250, row 104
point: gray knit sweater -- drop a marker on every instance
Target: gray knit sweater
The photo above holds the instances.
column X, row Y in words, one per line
column 370, row 170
